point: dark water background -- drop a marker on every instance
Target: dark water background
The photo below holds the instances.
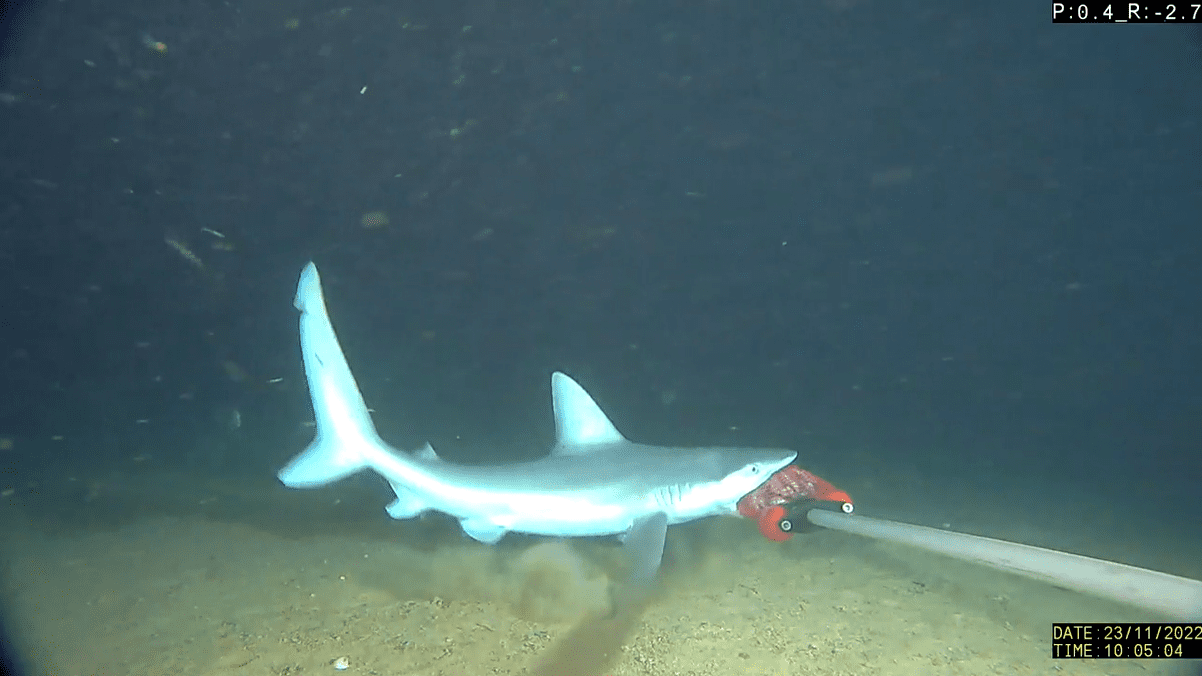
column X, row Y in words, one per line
column 944, row 249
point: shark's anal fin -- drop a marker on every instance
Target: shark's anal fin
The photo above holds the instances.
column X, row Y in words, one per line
column 580, row 424
column 483, row 530
column 645, row 547
column 407, row 505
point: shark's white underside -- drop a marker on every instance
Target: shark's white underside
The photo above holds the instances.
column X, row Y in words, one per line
column 593, row 482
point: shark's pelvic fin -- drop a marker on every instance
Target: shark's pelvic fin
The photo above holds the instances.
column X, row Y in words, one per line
column 483, row 530
column 579, row 422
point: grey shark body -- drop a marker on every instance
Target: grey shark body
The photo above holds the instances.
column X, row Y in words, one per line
column 593, row 482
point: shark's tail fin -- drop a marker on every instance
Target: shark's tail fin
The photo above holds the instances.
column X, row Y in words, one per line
column 346, row 438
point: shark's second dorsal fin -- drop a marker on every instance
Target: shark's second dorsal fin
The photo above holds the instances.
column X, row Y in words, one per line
column 579, row 422
column 427, row 453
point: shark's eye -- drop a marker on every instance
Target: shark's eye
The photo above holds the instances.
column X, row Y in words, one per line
column 755, row 469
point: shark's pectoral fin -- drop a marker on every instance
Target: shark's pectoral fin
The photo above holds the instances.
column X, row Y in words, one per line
column 483, row 530
column 645, row 547
column 407, row 505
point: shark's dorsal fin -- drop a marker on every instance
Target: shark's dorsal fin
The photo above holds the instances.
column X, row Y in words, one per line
column 579, row 422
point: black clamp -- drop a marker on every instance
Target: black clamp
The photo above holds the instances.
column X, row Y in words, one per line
column 794, row 518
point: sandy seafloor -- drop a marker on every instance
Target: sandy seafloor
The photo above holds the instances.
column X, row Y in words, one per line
column 151, row 573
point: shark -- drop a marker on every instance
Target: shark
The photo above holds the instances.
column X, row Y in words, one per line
column 593, row 482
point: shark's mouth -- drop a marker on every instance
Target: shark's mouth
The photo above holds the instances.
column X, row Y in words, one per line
column 766, row 504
